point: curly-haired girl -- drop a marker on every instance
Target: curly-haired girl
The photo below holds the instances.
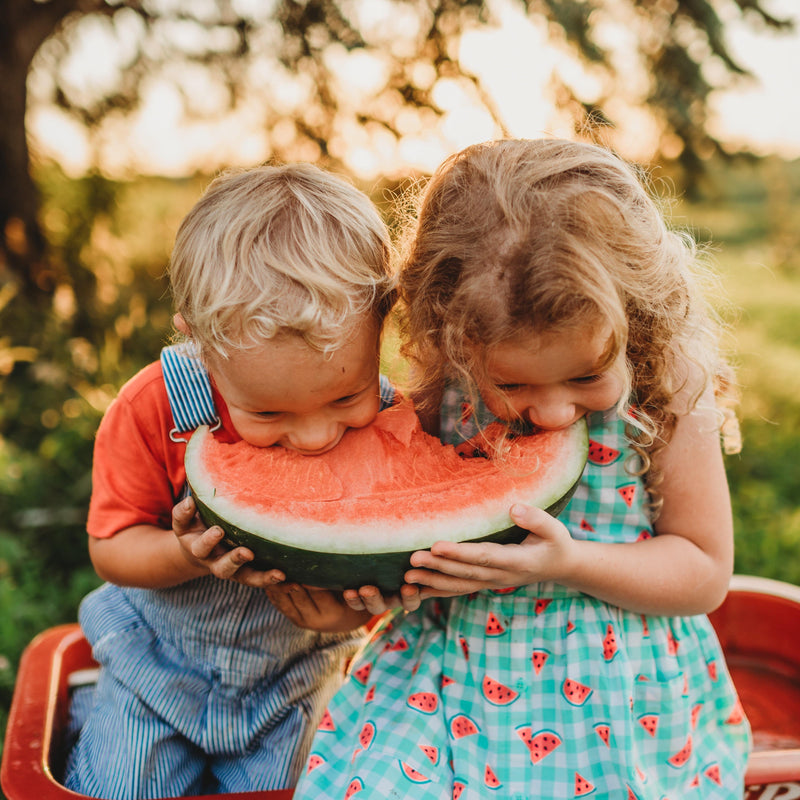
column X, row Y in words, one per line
column 543, row 285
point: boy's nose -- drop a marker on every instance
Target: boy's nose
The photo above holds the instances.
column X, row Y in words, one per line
column 312, row 437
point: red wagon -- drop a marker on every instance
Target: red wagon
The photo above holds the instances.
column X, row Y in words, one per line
column 758, row 625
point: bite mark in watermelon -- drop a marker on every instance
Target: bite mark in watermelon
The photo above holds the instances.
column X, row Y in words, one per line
column 575, row 693
column 324, row 520
column 497, row 693
column 461, row 725
column 426, row 702
column 601, row 455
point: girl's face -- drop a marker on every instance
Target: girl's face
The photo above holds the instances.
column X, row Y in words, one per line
column 286, row 393
column 553, row 379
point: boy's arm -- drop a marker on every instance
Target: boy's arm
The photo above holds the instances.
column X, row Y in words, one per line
column 154, row 558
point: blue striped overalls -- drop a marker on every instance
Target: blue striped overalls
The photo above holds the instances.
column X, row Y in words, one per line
column 204, row 687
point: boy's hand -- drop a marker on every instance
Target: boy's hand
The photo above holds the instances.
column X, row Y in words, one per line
column 316, row 609
column 204, row 546
column 370, row 598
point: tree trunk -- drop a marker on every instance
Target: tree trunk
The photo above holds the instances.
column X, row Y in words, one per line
column 24, row 25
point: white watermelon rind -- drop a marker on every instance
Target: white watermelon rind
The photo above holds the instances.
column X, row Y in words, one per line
column 373, row 552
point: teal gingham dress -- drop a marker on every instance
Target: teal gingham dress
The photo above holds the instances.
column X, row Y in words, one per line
column 539, row 691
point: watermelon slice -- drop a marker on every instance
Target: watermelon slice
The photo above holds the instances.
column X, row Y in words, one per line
column 353, row 516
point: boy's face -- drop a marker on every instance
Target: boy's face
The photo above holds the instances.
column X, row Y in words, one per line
column 286, row 393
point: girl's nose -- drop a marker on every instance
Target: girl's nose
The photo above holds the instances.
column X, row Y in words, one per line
column 550, row 413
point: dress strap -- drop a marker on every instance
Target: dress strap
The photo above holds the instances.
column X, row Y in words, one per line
column 188, row 389
column 387, row 392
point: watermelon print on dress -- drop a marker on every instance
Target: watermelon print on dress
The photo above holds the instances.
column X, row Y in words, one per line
column 461, row 725
column 497, row 693
column 361, row 675
column 540, row 744
column 681, row 758
column 601, row 455
column 326, row 723
column 582, row 786
column 411, row 774
column 426, row 702
column 490, row 779
column 609, row 643
column 431, row 753
column 650, row 723
column 493, row 626
column 539, row 659
column 575, row 693
column 627, row 493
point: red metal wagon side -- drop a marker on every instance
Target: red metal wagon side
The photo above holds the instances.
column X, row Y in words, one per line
column 758, row 625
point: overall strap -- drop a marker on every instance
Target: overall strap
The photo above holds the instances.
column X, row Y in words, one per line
column 188, row 388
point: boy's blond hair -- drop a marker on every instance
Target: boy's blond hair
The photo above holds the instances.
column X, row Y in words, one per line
column 287, row 249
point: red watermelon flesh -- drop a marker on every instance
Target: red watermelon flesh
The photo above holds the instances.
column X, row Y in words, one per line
column 385, row 489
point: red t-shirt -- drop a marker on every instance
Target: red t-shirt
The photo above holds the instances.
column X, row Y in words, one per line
column 138, row 473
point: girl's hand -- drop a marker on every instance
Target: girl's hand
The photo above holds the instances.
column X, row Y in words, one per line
column 453, row 568
column 316, row 609
column 204, row 547
column 370, row 598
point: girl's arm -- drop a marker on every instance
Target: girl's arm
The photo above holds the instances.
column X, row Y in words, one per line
column 683, row 570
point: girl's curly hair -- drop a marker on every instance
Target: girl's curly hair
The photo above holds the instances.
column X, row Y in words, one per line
column 534, row 236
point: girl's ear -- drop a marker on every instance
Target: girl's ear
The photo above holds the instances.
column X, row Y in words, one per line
column 180, row 325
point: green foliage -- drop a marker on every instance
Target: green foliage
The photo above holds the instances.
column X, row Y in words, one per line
column 754, row 220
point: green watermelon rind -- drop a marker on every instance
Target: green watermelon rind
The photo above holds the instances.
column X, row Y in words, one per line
column 341, row 569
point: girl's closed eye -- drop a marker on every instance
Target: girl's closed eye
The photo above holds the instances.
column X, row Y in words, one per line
column 588, row 378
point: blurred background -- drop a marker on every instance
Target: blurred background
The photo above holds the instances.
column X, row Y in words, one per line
column 115, row 114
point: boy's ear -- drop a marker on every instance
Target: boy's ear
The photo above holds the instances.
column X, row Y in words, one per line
column 180, row 325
